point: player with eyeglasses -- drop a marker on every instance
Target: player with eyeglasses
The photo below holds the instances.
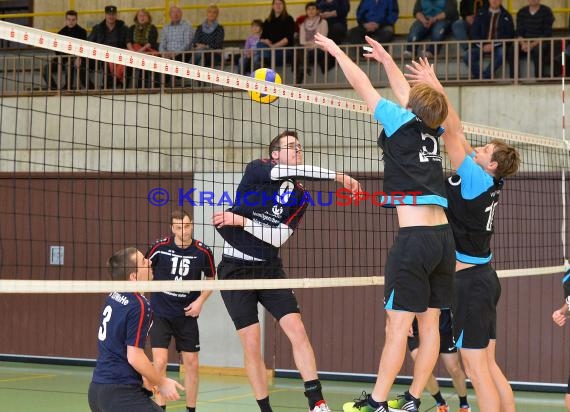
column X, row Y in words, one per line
column 269, row 207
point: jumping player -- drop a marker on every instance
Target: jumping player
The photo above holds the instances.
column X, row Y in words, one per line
column 417, row 284
column 268, row 208
column 179, row 257
column 117, row 384
column 450, row 357
column 473, row 195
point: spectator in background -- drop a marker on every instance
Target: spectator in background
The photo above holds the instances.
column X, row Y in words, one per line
column 278, row 31
column 111, row 32
column 142, row 37
column 433, row 18
column 491, row 24
column 461, row 28
column 375, row 19
column 209, row 36
column 71, row 29
column 250, row 44
column 312, row 24
column 335, row 12
column 176, row 37
column 534, row 21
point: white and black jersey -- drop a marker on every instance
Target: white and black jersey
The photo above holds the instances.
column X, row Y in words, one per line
column 273, row 203
column 170, row 262
column 473, row 195
column 412, row 158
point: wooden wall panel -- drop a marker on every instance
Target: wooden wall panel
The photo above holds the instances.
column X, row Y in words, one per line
column 346, row 325
column 90, row 215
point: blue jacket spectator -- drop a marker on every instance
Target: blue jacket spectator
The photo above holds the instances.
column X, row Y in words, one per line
column 335, row 12
column 434, row 19
column 375, row 19
column 492, row 23
column 209, row 36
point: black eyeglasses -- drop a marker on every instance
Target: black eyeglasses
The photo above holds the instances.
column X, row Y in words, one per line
column 296, row 147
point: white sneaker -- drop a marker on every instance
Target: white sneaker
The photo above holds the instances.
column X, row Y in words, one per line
column 321, row 406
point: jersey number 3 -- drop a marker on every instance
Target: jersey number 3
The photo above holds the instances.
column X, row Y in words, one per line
column 102, row 335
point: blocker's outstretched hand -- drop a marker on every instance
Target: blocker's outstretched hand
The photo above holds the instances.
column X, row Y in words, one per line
column 423, row 72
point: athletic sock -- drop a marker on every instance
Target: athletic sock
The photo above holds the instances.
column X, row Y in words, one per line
column 463, row 401
column 190, row 409
column 438, row 398
column 313, row 392
column 163, row 407
column 264, row 405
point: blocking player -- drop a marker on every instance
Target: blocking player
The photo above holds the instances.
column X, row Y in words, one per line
column 179, row 257
column 473, row 195
column 117, row 384
column 559, row 317
column 417, row 284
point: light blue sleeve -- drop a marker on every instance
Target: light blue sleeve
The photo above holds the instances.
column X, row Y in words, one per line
column 391, row 115
column 474, row 180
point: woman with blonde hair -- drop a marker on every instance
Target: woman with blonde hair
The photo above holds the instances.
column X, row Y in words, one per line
column 209, row 36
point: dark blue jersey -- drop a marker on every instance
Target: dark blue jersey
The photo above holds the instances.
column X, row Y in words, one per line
column 265, row 200
column 125, row 321
column 473, row 195
column 412, row 158
column 170, row 262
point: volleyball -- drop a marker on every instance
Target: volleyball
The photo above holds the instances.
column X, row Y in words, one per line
column 269, row 76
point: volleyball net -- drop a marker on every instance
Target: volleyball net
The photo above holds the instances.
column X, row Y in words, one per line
column 87, row 173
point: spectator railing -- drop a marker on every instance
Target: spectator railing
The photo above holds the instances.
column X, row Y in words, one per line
column 36, row 70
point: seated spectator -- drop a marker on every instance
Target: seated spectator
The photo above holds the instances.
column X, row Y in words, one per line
column 250, row 44
column 534, row 21
column 491, row 24
column 209, row 36
column 375, row 19
column 176, row 38
column 278, row 31
column 461, row 28
column 312, row 24
column 71, row 29
column 434, row 19
column 111, row 32
column 335, row 12
column 142, row 37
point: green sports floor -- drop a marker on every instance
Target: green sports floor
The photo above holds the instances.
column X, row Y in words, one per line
column 26, row 387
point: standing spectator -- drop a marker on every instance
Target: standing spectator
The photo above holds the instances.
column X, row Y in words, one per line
column 278, row 31
column 461, row 28
column 209, row 36
column 179, row 257
column 491, row 24
column 312, row 24
column 111, row 32
column 71, row 29
column 335, row 12
column 534, row 21
column 433, row 18
column 125, row 320
column 375, row 19
column 142, row 37
column 250, row 44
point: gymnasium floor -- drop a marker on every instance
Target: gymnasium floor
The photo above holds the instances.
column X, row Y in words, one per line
column 29, row 387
